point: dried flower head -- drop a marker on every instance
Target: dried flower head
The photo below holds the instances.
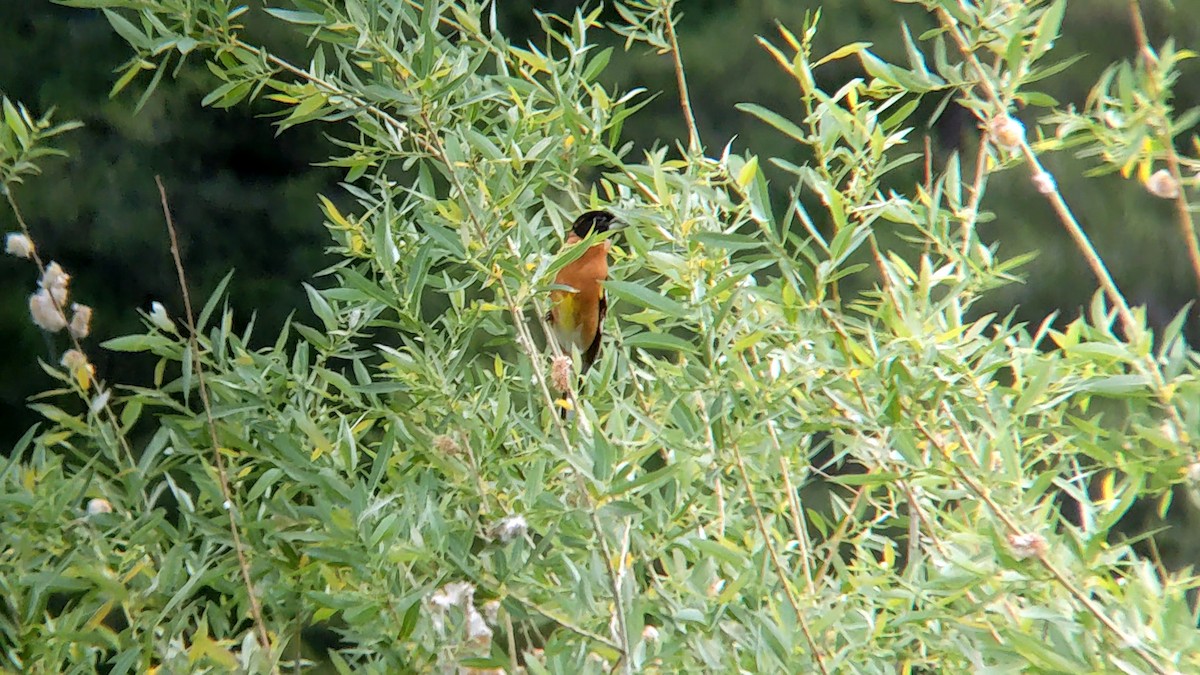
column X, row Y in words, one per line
column 560, row 372
column 1027, row 545
column 716, row 587
column 1006, row 131
column 512, row 527
column 478, row 632
column 73, row 359
column 55, row 275
column 446, row 445
column 18, row 244
column 45, row 312
column 1168, row 429
column 491, row 611
column 1162, row 184
column 56, row 280
column 100, row 400
column 81, row 321
column 76, row 363
column 460, row 594
column 1044, row 183
column 454, row 594
column 97, row 506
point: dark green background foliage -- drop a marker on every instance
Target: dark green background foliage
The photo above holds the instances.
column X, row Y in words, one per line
column 243, row 198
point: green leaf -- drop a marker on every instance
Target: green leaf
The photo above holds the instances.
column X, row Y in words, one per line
column 211, row 304
column 644, row 297
column 138, row 343
column 597, row 64
column 1047, row 28
column 731, row 242
column 656, row 340
column 321, row 307
column 567, row 256
column 1119, row 385
column 774, row 119
column 843, row 52
column 297, row 17
column 131, row 33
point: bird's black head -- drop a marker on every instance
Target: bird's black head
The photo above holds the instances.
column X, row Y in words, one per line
column 593, row 221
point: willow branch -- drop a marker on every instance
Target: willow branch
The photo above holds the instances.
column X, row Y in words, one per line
column 260, row 626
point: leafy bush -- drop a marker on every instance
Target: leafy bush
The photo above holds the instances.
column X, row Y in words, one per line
column 762, row 473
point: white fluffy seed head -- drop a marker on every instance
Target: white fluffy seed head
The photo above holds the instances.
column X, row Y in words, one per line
column 1162, row 184
column 1006, row 132
column 45, row 312
column 18, row 244
column 1027, row 545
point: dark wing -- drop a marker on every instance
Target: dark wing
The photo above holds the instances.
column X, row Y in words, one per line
column 593, row 349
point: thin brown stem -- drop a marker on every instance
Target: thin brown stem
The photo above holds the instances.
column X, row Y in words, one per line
column 977, row 189
column 524, row 338
column 75, row 341
column 1013, row 529
column 927, row 149
column 795, row 510
column 1058, row 203
column 260, row 626
column 776, row 562
column 685, row 101
column 1183, row 211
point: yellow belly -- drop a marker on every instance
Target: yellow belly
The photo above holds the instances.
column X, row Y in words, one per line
column 567, row 328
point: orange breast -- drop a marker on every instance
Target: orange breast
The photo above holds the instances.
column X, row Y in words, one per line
column 577, row 315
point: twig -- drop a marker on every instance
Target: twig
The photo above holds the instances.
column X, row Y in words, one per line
column 1082, row 242
column 563, row 622
column 75, row 342
column 524, row 338
column 1183, row 211
column 780, row 570
column 927, row 150
column 1128, row 322
column 977, row 189
column 1010, row 524
column 685, row 101
column 260, row 627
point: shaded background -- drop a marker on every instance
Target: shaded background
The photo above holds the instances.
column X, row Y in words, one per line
column 245, row 199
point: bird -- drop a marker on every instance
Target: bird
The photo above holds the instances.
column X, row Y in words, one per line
column 576, row 315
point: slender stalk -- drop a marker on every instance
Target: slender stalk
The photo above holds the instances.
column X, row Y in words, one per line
column 977, row 190
column 75, row 342
column 260, row 626
column 1010, row 524
column 776, row 562
column 1183, row 210
column 685, row 101
column 795, row 510
column 1058, row 203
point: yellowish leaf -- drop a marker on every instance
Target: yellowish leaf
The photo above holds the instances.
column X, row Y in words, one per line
column 748, row 172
